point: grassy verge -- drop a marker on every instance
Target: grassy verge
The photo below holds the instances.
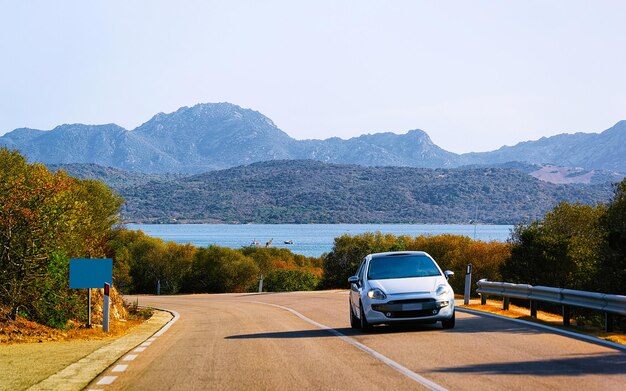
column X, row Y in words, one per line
column 30, row 352
column 546, row 318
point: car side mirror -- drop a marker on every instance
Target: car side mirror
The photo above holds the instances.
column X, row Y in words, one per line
column 448, row 274
column 353, row 280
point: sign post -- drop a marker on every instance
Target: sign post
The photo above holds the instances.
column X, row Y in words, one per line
column 91, row 273
column 105, row 308
column 88, row 308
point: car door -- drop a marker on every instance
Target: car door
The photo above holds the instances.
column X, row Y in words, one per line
column 355, row 289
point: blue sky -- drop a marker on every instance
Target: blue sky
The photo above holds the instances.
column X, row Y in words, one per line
column 475, row 75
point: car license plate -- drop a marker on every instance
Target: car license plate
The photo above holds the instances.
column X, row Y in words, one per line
column 412, row 307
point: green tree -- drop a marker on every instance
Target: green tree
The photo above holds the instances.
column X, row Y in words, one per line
column 562, row 250
column 45, row 218
column 612, row 271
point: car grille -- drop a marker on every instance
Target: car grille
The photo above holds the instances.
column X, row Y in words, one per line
column 410, row 308
column 411, row 314
column 411, row 301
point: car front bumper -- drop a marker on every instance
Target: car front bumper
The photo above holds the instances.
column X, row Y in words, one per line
column 408, row 309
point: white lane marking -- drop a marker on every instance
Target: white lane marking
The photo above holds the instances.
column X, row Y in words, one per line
column 386, row 360
column 147, row 343
column 151, row 339
column 106, row 380
column 169, row 324
column 139, row 350
column 119, row 368
column 584, row 337
column 130, row 357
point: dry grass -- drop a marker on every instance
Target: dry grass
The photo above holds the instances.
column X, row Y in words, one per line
column 23, row 343
column 554, row 320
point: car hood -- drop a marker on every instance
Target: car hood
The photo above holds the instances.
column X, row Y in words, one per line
column 394, row 286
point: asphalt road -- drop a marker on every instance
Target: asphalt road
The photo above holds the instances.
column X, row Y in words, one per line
column 278, row 342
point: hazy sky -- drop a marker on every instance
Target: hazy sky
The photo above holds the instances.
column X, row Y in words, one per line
column 475, row 75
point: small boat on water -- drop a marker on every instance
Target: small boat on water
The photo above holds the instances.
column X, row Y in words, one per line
column 288, row 242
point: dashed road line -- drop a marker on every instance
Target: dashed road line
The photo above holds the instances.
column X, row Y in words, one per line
column 106, row 380
column 119, row 368
column 386, row 360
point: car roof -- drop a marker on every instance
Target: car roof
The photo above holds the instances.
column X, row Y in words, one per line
column 398, row 253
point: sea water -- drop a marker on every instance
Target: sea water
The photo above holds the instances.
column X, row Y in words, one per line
column 308, row 239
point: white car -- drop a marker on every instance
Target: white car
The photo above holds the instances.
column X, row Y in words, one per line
column 399, row 287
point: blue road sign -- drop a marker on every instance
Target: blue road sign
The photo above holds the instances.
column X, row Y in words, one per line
column 90, row 272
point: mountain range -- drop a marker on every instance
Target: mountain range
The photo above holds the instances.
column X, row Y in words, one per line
column 307, row 191
column 216, row 136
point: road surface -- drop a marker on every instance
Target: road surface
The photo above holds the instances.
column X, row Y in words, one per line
column 279, row 342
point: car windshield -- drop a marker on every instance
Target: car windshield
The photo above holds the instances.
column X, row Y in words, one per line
column 402, row 266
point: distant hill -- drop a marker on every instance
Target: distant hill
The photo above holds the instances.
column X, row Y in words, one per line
column 215, row 136
column 604, row 151
column 314, row 192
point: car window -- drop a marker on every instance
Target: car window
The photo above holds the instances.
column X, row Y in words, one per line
column 359, row 272
column 404, row 266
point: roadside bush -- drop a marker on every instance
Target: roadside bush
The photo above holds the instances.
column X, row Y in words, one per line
column 562, row 250
column 220, row 270
column 140, row 262
column 287, row 280
column 269, row 259
column 452, row 252
column 58, row 304
column 46, row 218
column 348, row 251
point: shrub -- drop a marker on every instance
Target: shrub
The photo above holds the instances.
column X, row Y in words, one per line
column 287, row 280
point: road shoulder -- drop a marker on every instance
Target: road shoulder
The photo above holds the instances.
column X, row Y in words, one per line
column 79, row 374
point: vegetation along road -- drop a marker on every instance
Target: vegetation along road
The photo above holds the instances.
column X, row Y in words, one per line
column 303, row 340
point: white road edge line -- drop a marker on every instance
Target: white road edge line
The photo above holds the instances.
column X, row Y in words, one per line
column 584, row 337
column 386, row 360
column 169, row 324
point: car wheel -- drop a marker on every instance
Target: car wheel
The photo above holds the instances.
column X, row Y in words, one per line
column 448, row 323
column 354, row 321
column 365, row 326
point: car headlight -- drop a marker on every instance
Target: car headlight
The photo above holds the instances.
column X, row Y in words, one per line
column 376, row 294
column 443, row 290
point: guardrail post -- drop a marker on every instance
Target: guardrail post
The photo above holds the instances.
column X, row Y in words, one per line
column 505, row 303
column 468, row 283
column 566, row 315
column 608, row 322
column 483, row 299
column 533, row 308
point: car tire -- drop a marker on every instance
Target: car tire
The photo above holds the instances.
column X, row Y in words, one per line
column 364, row 324
column 449, row 323
column 354, row 321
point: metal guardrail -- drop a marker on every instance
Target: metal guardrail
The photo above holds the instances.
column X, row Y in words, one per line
column 609, row 304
